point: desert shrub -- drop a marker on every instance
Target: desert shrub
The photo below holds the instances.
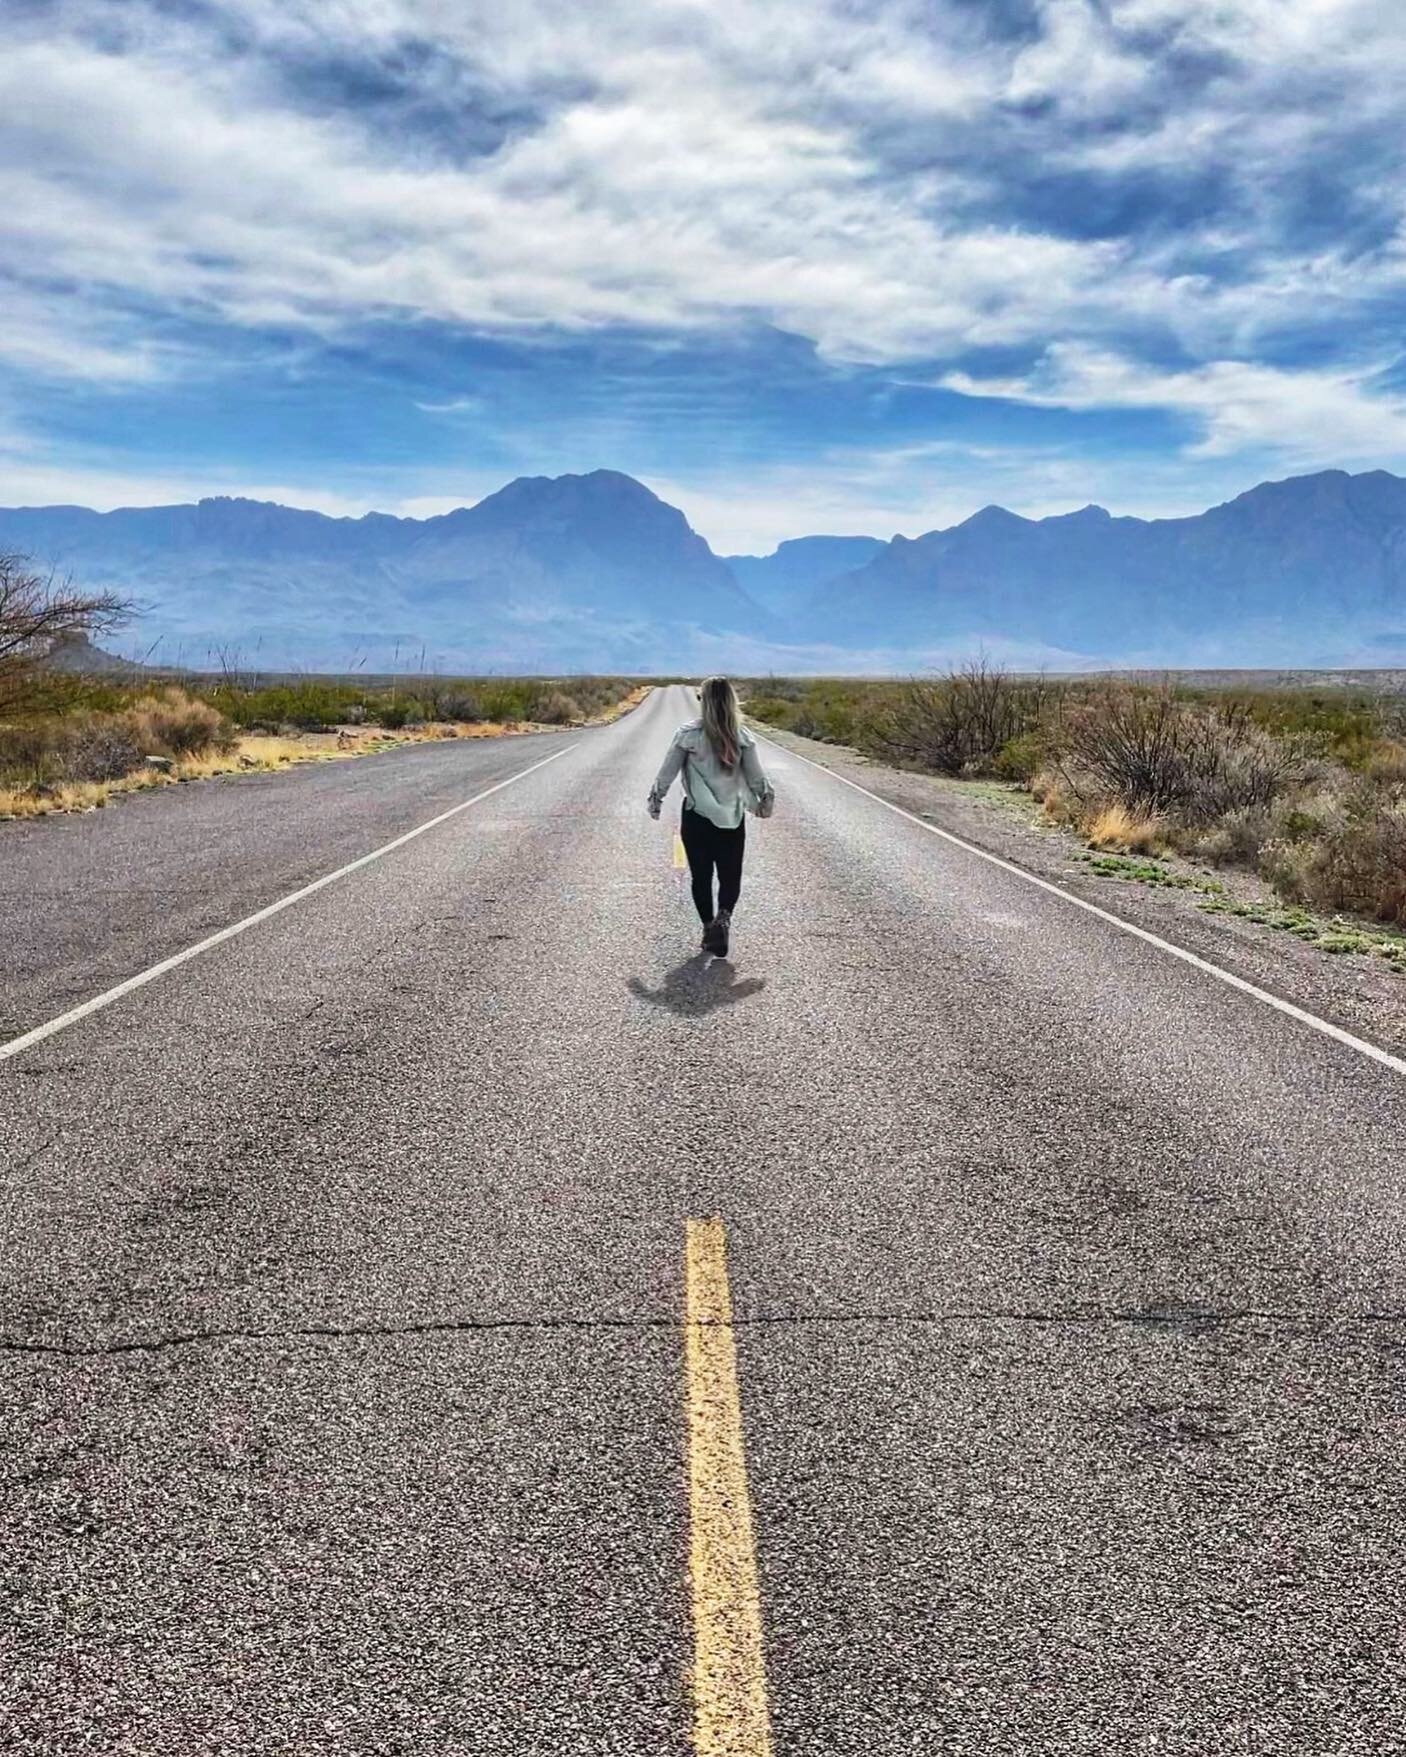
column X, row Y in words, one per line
column 508, row 699
column 554, row 708
column 831, row 710
column 1288, row 866
column 315, row 704
column 1356, row 861
column 1160, row 756
column 87, row 746
column 1296, row 823
column 1236, row 840
column 456, row 704
column 805, row 722
column 308, row 704
column 172, row 723
column 1048, row 789
column 100, row 748
column 1340, row 724
column 1019, row 758
column 956, row 724
column 919, row 727
column 772, row 710
column 28, row 750
column 1386, row 763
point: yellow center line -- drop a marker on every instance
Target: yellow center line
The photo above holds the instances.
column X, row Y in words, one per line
column 679, row 859
column 730, row 1714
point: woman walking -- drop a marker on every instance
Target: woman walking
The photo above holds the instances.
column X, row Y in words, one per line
column 722, row 781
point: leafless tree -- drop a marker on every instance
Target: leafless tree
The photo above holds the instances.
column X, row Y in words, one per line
column 957, row 723
column 36, row 611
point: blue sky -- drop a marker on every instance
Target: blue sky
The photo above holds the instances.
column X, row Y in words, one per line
column 844, row 265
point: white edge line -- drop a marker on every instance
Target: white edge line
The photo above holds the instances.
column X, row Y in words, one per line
column 1312, row 1020
column 40, row 1032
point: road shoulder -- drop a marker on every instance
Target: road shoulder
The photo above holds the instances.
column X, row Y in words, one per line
column 1220, row 914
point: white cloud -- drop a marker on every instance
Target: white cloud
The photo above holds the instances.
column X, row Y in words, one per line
column 91, row 343
column 1306, row 416
column 910, row 489
column 678, row 206
column 453, row 406
column 30, row 476
column 664, row 163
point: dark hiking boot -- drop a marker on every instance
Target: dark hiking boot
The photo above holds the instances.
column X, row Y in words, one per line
column 722, row 923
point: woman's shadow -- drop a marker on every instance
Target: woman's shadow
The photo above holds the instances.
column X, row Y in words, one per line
column 699, row 985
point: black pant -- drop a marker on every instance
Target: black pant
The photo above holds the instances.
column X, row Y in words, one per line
column 707, row 847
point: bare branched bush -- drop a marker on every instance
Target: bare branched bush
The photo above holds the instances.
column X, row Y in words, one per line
column 100, row 747
column 959, row 723
column 1162, row 757
column 555, row 708
column 36, row 611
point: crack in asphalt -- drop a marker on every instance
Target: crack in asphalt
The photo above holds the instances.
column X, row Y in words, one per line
column 27, row 1159
column 1163, row 1319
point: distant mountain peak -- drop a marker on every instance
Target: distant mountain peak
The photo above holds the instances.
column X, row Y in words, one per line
column 613, row 483
column 992, row 519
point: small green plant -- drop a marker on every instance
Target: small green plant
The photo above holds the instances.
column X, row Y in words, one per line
column 1147, row 872
column 1019, row 758
column 1335, row 937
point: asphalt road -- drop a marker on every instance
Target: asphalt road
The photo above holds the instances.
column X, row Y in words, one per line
column 343, row 1370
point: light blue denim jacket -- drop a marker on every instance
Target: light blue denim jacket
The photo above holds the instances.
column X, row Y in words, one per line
column 719, row 794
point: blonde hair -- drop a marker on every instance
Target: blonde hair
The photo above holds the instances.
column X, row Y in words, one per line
column 722, row 719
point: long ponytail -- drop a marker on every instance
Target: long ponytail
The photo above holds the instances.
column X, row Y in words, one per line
column 722, row 720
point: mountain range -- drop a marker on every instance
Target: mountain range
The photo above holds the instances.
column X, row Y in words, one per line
column 595, row 572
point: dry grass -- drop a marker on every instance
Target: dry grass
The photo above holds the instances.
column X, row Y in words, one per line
column 1115, row 826
column 1103, row 823
column 623, row 706
column 1048, row 789
column 248, row 756
column 18, row 802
